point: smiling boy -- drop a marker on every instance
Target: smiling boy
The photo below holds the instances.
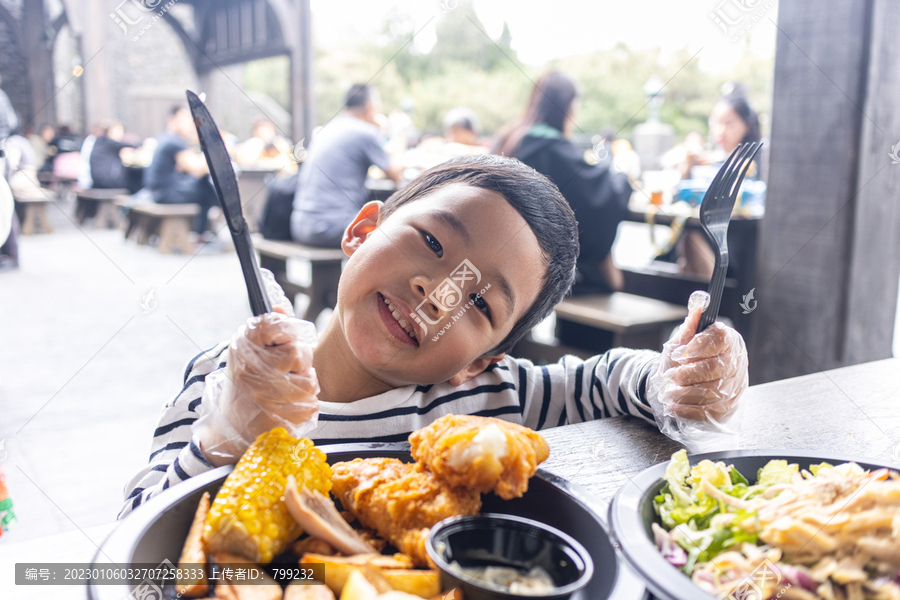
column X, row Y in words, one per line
column 474, row 224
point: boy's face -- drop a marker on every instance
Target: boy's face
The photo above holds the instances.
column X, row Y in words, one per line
column 408, row 259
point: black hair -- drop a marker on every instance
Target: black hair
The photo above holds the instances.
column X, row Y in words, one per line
column 462, row 117
column 539, row 202
column 358, row 95
column 176, row 108
column 738, row 103
column 550, row 103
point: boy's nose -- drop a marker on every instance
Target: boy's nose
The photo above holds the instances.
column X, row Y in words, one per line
column 422, row 288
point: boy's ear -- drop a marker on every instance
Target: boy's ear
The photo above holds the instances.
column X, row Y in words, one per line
column 366, row 222
column 476, row 367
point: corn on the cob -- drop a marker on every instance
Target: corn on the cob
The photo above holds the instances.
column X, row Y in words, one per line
column 248, row 516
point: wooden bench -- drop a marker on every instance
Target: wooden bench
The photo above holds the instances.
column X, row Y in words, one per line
column 98, row 204
column 32, row 212
column 625, row 319
column 171, row 222
column 325, row 266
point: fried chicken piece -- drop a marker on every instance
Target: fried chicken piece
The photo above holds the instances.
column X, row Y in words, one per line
column 401, row 501
column 481, row 453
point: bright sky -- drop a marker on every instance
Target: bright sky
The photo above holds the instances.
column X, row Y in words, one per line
column 544, row 30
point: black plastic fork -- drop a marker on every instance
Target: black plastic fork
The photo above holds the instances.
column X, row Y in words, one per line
column 715, row 215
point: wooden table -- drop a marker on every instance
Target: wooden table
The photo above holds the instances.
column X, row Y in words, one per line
column 852, row 410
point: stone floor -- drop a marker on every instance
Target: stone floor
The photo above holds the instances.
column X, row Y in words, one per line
column 87, row 361
column 84, row 372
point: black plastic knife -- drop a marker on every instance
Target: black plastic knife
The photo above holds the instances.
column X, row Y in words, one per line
column 224, row 180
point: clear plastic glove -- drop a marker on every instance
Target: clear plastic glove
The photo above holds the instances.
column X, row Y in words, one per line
column 695, row 393
column 268, row 382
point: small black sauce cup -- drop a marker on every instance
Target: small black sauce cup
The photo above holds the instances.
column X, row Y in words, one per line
column 507, row 541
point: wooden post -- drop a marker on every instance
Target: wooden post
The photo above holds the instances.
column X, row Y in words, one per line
column 96, row 29
column 302, row 107
column 37, row 51
column 830, row 242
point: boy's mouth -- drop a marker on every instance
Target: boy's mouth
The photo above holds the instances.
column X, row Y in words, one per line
column 392, row 316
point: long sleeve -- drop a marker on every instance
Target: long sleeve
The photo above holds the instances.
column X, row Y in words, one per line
column 516, row 390
column 174, row 454
column 575, row 390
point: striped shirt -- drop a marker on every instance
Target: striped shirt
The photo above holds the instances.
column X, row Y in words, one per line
column 516, row 390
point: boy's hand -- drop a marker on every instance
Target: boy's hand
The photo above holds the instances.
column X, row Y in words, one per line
column 269, row 382
column 272, row 373
column 702, row 375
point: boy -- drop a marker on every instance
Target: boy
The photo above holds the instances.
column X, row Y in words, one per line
column 485, row 234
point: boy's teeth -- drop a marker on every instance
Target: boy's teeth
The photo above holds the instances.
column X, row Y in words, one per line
column 397, row 317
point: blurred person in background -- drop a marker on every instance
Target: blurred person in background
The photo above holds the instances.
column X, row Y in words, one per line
column 42, row 147
column 84, row 159
column 598, row 195
column 65, row 140
column 64, row 154
column 37, row 144
column 107, row 169
column 263, row 146
column 461, row 131
column 401, row 131
column 100, row 164
column 331, row 187
column 461, row 126
column 731, row 122
column 178, row 173
column 18, row 172
column 9, row 223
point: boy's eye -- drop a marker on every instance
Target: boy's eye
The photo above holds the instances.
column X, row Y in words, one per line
column 479, row 303
column 433, row 244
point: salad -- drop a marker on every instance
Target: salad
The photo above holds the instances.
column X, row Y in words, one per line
column 831, row 532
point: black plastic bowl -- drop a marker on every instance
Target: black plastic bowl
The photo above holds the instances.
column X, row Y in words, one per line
column 157, row 530
column 504, row 540
column 631, row 514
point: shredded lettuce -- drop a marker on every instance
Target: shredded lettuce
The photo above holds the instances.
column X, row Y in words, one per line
column 776, row 471
column 716, row 473
column 736, row 477
column 814, row 469
column 703, row 526
column 676, row 474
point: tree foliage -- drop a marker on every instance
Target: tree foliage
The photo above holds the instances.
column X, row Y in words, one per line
column 465, row 67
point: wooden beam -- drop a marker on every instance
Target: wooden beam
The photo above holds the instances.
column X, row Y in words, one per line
column 875, row 250
column 189, row 43
column 826, row 240
column 38, row 53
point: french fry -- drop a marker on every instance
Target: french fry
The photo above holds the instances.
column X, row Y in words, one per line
column 417, row 582
column 297, row 590
column 382, row 561
column 396, row 571
column 337, row 569
column 249, row 591
column 337, row 575
column 194, row 553
column 358, row 587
